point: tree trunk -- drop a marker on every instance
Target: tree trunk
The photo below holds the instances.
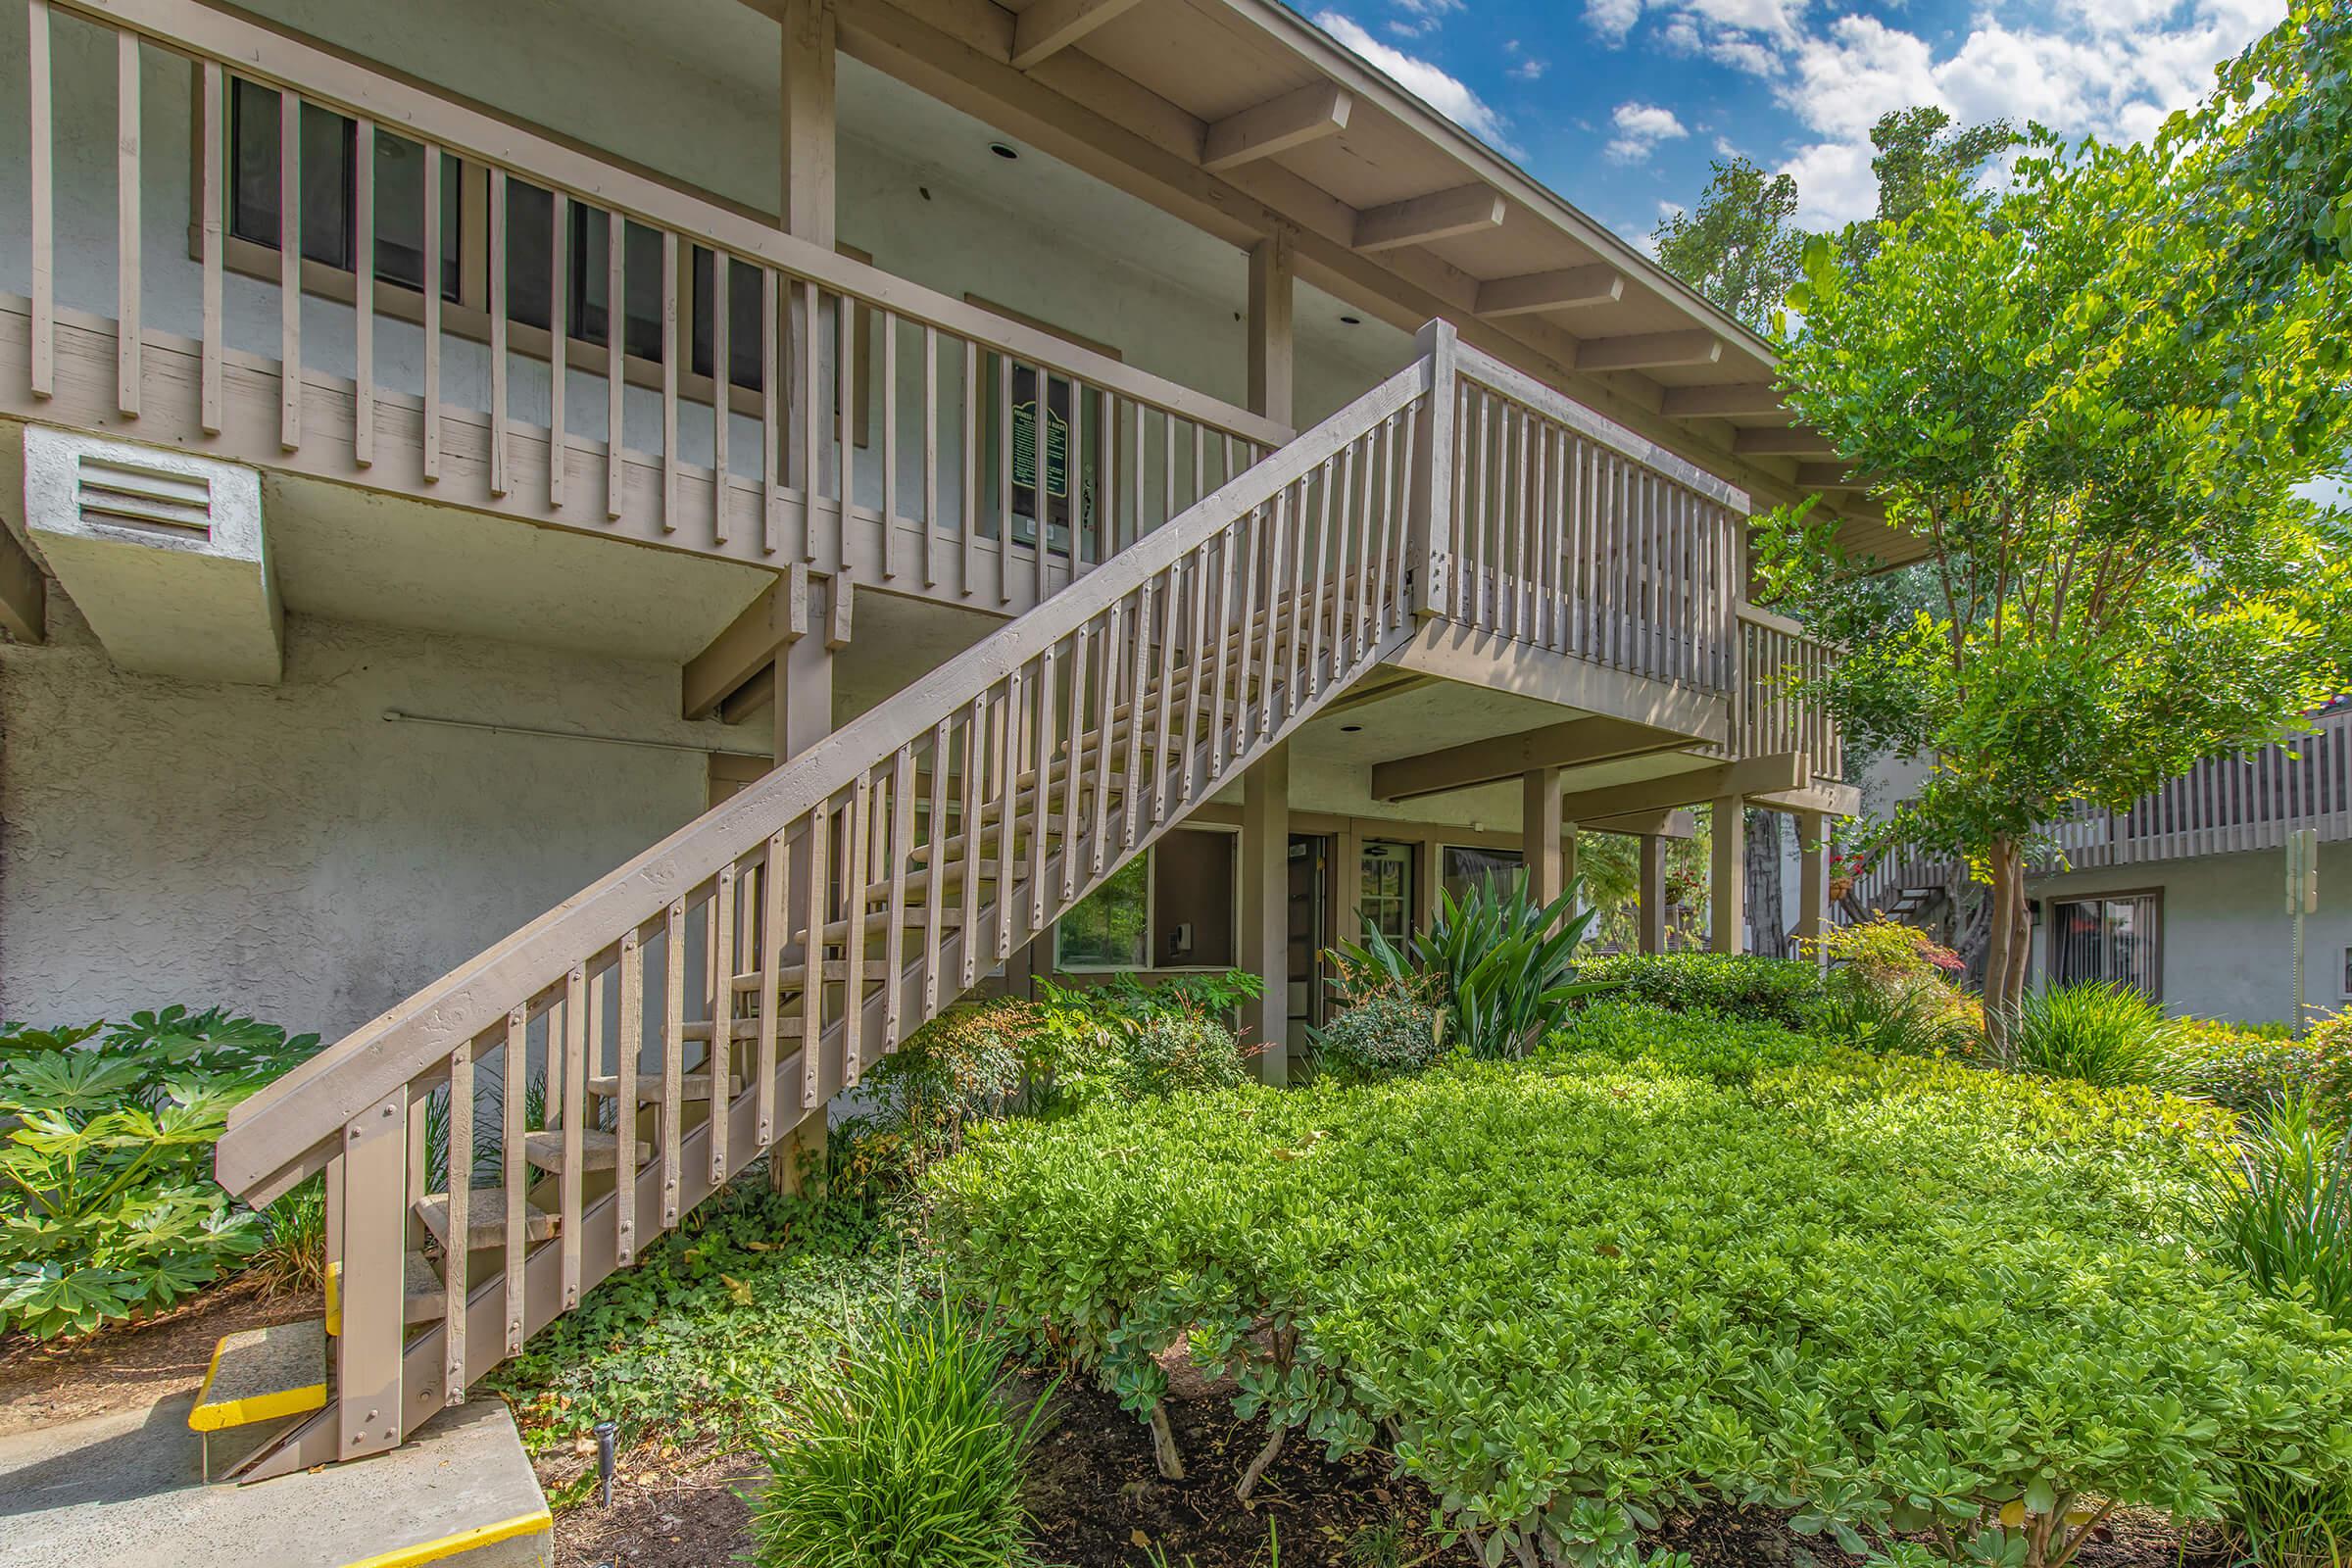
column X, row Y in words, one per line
column 2008, row 946
column 1765, row 914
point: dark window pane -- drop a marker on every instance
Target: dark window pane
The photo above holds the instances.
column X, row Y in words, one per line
column 641, row 256
column 530, row 253
column 1467, row 868
column 743, row 318
column 326, row 183
column 400, row 214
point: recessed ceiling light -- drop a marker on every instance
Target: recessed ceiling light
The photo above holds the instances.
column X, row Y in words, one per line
column 1001, row 150
column 1351, row 320
column 1351, row 729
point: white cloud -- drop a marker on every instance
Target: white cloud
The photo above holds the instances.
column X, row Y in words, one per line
column 1425, row 81
column 1421, row 17
column 1747, row 36
column 1612, row 18
column 1639, row 128
column 1523, row 67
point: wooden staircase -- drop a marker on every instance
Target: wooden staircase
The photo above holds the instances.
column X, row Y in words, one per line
column 621, row 1058
column 794, row 934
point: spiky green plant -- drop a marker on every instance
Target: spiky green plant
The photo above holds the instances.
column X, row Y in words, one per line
column 294, row 1257
column 2108, row 1036
column 908, row 1457
column 2280, row 1203
column 1499, row 962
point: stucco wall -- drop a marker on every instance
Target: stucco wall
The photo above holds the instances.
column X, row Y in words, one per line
column 287, row 852
column 2228, row 940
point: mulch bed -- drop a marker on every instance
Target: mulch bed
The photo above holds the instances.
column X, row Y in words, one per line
column 131, row 1365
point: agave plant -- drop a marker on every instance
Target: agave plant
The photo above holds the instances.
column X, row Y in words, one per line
column 1501, row 964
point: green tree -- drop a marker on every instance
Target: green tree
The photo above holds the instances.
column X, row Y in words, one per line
column 2126, row 579
column 1742, row 248
column 1919, row 152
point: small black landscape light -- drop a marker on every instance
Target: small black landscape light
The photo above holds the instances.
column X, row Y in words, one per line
column 1002, row 150
column 605, row 1432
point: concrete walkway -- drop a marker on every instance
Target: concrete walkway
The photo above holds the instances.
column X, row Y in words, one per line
column 121, row 1491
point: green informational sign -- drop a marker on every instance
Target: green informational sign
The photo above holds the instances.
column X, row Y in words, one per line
column 1024, row 455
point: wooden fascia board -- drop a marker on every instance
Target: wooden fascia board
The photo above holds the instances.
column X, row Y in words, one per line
column 1821, row 796
column 1572, row 743
column 1672, row 824
column 1775, row 774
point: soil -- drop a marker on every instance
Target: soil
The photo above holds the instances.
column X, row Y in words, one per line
column 1100, row 1502
column 131, row 1365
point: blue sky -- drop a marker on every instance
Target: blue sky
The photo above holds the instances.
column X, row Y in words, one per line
column 1619, row 105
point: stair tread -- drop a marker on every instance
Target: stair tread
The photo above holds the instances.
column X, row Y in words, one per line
column 691, row 1086
column 263, row 1374
column 485, row 1218
column 598, row 1149
column 422, row 1297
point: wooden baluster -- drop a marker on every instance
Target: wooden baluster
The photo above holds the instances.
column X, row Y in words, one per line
column 515, row 1087
column 1011, row 738
column 930, row 457
column 669, row 381
column 935, row 859
column 1311, row 606
column 1138, row 660
column 616, row 353
column 853, row 880
column 1074, row 470
column 1168, row 467
column 1195, row 679
column 43, row 160
column 1113, row 655
column 363, row 298
column 1311, row 488
column 498, row 331
column 629, row 1049
column 1041, row 501
column 772, row 451
column 816, row 898
column 460, row 1160
column 845, row 368
column 775, row 871
column 1172, row 606
column 969, row 825
column 558, row 342
column 722, row 1060
column 212, row 164
column 1135, row 476
column 1340, row 551
column 1042, row 804
column 1255, row 520
column 289, row 269
column 1278, row 589
column 1199, row 462
column 1073, row 781
column 1106, row 515
column 897, row 845
column 723, row 276
column 1221, row 633
column 890, row 444
column 807, row 323
column 575, row 1115
column 969, row 434
column 672, row 1122
column 1005, row 479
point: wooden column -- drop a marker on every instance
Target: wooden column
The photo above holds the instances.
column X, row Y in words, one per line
column 1813, row 878
column 1273, row 379
column 1653, row 893
column 1540, row 831
column 1265, row 882
column 803, row 717
column 805, row 207
column 1727, row 877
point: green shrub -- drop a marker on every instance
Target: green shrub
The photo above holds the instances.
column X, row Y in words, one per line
column 1781, row 991
column 1570, row 1295
column 294, row 1256
column 1726, row 1049
column 1919, row 1022
column 112, row 1208
column 904, row 1457
column 1176, row 1053
column 1394, row 1031
column 2250, row 1068
column 1500, row 965
column 2280, row 1203
column 2102, row 1034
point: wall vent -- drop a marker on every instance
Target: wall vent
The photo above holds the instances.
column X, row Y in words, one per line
column 110, row 491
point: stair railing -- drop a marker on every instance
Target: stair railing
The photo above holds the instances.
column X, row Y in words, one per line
column 805, row 926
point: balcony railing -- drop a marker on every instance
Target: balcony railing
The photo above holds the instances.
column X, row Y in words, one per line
column 1776, row 710
column 769, row 400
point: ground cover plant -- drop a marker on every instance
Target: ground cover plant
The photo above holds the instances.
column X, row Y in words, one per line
column 1939, row 1313
column 110, row 1206
column 1784, row 991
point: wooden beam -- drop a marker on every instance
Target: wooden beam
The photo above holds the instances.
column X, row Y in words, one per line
column 23, row 593
column 1782, row 441
column 1452, row 650
column 1752, row 775
column 1724, row 401
column 1439, row 215
column 1049, row 26
column 738, row 655
column 1643, row 351
column 1295, row 118
column 1564, row 289
column 1821, row 795
column 1570, row 744
column 1672, row 823
column 1828, row 476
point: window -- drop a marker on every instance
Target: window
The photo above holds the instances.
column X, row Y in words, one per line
column 1383, row 897
column 2348, row 974
column 1172, row 907
column 330, row 154
column 1467, row 867
column 2116, row 938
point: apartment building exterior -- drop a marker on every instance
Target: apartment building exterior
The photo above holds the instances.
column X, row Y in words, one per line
column 647, row 550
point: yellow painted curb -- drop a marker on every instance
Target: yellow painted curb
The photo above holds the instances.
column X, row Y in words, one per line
column 522, row 1524
column 209, row 1417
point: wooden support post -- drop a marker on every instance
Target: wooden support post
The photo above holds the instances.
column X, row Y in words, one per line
column 1266, row 907
column 1429, row 520
column 1653, row 893
column 1541, row 827
column 1727, row 877
column 375, row 1225
column 1272, row 378
column 807, row 125
column 803, row 716
column 1813, row 881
